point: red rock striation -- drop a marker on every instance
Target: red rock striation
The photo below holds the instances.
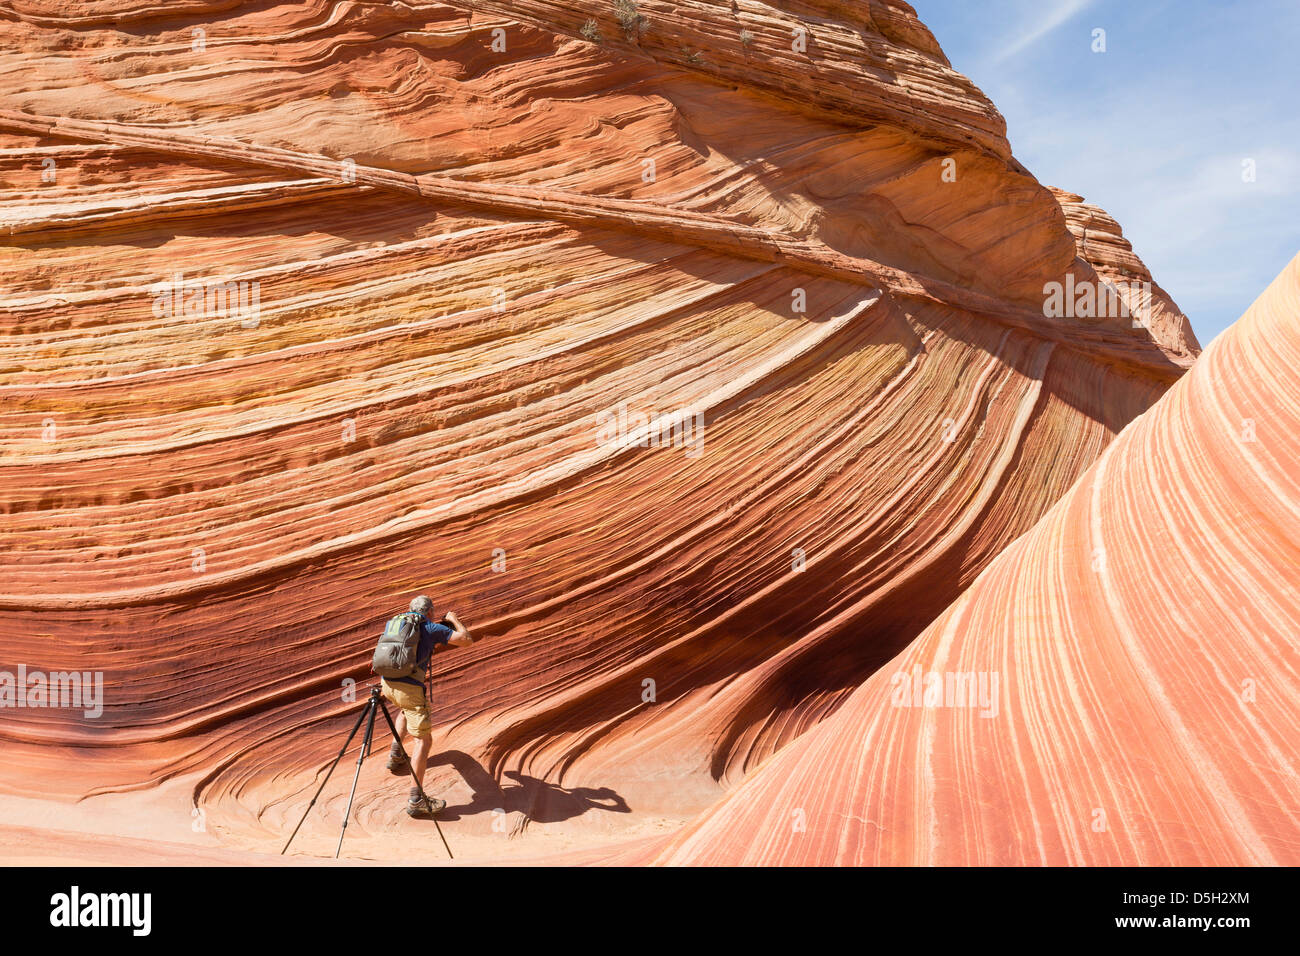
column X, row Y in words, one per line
column 312, row 306
column 1144, row 636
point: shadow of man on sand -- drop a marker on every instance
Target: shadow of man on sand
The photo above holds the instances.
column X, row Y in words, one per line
column 540, row 801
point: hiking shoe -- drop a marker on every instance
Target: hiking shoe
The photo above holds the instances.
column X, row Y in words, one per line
column 398, row 763
column 398, row 766
column 424, row 806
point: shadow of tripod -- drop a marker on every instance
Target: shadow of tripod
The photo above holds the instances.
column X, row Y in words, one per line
column 373, row 706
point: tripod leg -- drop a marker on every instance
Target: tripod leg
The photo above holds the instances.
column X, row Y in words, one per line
column 392, row 728
column 365, row 749
column 419, row 784
column 347, row 743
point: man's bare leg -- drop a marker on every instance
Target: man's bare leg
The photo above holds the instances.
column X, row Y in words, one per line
column 420, row 758
column 398, row 756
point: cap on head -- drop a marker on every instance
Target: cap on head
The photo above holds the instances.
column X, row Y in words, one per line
column 422, row 605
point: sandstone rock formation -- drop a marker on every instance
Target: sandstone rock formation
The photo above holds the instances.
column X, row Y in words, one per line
column 312, row 306
column 1145, row 636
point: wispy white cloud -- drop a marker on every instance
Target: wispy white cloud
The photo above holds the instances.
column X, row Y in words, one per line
column 1032, row 32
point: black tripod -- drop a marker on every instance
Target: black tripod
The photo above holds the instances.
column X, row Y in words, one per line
column 374, row 705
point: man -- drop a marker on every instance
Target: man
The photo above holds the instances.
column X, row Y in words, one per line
column 408, row 693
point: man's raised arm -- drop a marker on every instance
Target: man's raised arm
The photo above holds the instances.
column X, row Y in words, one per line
column 462, row 637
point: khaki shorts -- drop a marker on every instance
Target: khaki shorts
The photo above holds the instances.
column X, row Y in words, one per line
column 413, row 703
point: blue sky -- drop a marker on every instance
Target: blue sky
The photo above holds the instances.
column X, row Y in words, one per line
column 1154, row 130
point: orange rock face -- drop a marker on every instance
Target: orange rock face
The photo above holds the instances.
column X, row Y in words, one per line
column 698, row 362
column 1141, row 645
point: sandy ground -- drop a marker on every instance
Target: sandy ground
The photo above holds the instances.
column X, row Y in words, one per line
column 157, row 827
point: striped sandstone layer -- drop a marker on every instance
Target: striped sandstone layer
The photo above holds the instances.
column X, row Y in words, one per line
column 477, row 238
column 1144, row 633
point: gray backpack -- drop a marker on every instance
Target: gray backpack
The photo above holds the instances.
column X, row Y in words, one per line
column 396, row 654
